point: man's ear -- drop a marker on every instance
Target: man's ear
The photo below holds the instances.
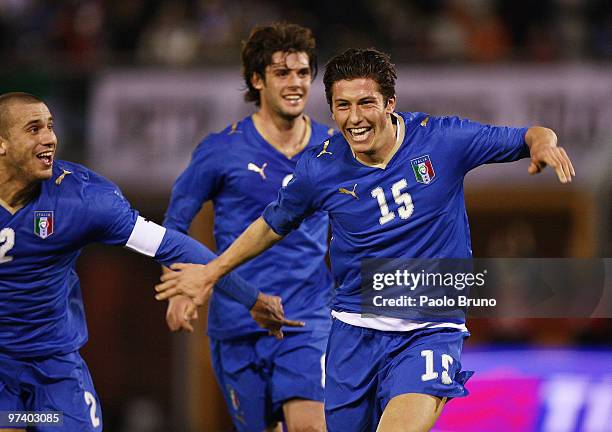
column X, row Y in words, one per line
column 390, row 108
column 257, row 81
column 2, row 146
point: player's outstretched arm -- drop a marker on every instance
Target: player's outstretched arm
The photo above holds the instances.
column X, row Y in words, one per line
column 117, row 223
column 544, row 151
column 177, row 247
column 197, row 281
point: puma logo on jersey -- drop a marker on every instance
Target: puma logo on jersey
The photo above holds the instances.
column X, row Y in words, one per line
column 252, row 167
column 324, row 151
column 233, row 129
column 349, row 192
column 59, row 180
column 424, row 122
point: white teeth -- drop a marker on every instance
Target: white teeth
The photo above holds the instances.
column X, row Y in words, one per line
column 360, row 134
column 293, row 97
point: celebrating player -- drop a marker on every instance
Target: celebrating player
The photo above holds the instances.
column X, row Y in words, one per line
column 241, row 169
column 49, row 210
column 392, row 184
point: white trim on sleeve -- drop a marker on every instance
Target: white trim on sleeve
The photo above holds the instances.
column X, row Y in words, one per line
column 146, row 237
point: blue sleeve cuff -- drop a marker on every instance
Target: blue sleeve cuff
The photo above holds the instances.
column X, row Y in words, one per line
column 277, row 219
column 238, row 289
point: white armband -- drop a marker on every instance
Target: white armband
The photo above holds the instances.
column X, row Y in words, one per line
column 146, row 237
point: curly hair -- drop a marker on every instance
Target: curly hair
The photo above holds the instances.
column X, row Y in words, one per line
column 264, row 41
column 361, row 63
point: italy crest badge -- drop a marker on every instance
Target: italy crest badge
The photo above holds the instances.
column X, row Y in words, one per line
column 43, row 224
column 423, row 169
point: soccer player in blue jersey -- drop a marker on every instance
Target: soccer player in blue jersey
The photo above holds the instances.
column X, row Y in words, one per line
column 241, row 169
column 392, row 184
column 49, row 210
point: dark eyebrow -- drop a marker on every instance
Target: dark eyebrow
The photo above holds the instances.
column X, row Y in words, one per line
column 282, row 65
column 36, row 122
column 31, row 123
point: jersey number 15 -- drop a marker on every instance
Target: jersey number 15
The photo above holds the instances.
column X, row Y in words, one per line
column 402, row 199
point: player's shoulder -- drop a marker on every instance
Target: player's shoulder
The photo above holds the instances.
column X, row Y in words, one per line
column 435, row 122
column 79, row 187
column 71, row 175
column 421, row 119
column 321, row 131
column 216, row 142
column 329, row 151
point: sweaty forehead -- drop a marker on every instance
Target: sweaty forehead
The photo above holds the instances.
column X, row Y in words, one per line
column 289, row 60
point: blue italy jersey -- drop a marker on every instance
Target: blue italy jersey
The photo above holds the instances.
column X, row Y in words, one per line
column 411, row 206
column 241, row 173
column 42, row 310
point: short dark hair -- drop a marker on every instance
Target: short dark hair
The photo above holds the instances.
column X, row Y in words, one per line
column 6, row 100
column 361, row 63
column 264, row 41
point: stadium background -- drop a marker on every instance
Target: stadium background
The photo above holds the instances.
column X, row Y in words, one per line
column 133, row 84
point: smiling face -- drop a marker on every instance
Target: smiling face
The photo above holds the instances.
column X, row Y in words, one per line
column 364, row 118
column 286, row 85
column 28, row 142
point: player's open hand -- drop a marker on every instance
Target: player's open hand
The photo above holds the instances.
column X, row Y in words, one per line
column 181, row 311
column 556, row 158
column 192, row 280
column 268, row 313
column 544, row 152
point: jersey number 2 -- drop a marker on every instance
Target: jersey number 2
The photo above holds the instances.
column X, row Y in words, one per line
column 90, row 400
column 402, row 199
column 7, row 241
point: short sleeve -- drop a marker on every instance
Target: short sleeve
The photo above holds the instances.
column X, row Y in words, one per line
column 296, row 201
column 480, row 144
column 110, row 216
column 196, row 185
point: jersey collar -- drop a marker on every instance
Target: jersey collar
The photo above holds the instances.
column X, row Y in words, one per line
column 400, row 134
column 306, row 138
column 8, row 208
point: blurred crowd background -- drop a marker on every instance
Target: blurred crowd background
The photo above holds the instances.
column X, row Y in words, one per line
column 91, row 59
column 88, row 34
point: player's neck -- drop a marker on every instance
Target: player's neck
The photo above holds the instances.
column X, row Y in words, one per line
column 389, row 139
column 288, row 136
column 16, row 193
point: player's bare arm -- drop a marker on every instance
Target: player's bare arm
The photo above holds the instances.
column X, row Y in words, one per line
column 197, row 281
column 544, row 151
